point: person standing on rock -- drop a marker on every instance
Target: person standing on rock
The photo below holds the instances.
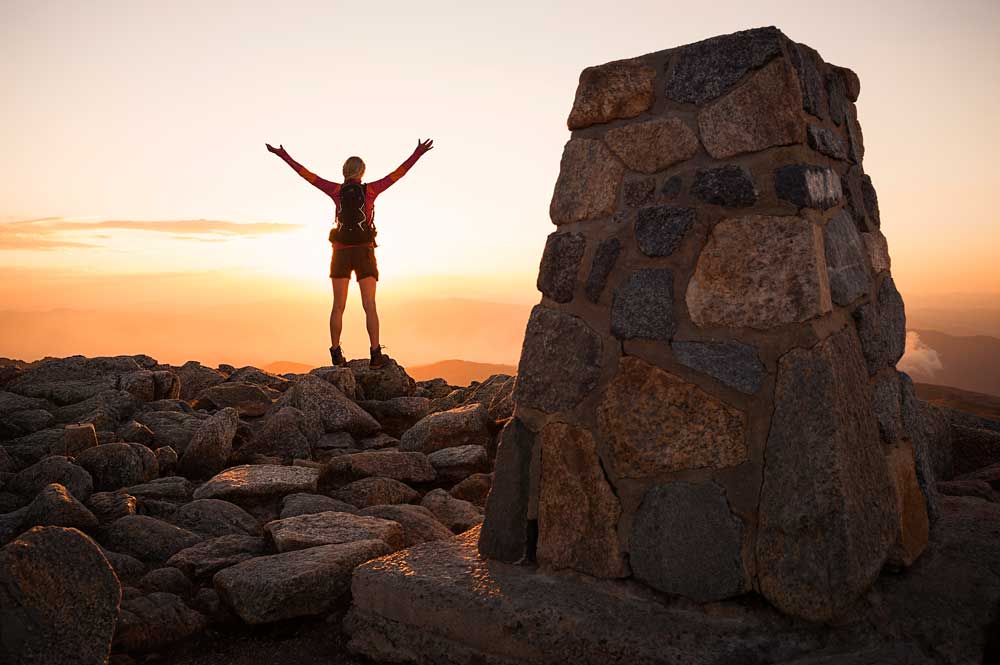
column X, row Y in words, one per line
column 353, row 240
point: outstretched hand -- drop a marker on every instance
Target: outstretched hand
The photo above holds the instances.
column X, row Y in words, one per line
column 424, row 146
column 279, row 151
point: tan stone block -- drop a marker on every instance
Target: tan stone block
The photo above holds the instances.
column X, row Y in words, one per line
column 577, row 510
column 653, row 145
column 913, row 528
column 763, row 112
column 615, row 90
column 589, row 179
column 654, row 423
column 760, row 272
column 878, row 251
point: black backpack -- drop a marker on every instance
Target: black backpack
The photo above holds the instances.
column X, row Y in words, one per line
column 353, row 226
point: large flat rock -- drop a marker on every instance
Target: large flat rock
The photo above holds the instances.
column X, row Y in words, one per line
column 441, row 602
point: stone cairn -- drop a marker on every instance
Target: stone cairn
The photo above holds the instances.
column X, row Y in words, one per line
column 707, row 398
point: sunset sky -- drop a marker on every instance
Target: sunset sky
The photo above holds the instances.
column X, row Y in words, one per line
column 133, row 169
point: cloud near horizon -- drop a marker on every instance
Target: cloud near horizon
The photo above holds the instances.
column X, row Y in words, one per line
column 44, row 233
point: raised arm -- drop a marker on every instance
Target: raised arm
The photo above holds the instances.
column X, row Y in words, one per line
column 324, row 185
column 383, row 184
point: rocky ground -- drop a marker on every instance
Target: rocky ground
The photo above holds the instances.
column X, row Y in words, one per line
column 194, row 514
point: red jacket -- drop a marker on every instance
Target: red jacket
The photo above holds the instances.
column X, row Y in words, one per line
column 372, row 189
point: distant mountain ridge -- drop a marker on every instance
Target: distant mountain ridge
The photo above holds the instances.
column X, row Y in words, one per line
column 459, row 372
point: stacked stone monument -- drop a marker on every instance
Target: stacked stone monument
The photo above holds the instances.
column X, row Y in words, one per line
column 707, row 399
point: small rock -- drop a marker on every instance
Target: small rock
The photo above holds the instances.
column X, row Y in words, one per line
column 827, row 142
column 151, row 622
column 653, row 145
column 53, row 469
column 660, row 230
column 147, row 538
column 340, row 377
column 248, row 399
column 326, row 408
column 846, row 264
column 176, row 489
column 117, row 465
column 731, row 363
column 195, row 379
column 758, row 272
column 211, row 445
column 560, row 361
column 764, row 111
column 59, row 597
column 214, row 517
column 398, row 414
column 616, row 90
column 409, row 467
column 206, row 558
column 808, row 186
column 330, row 528
column 259, row 377
column 559, row 267
column 135, row 432
column 167, row 580
column 258, row 481
column 286, row 434
column 589, row 179
column 454, row 513
column 308, row 504
column 882, row 328
column 642, row 307
column 109, row 506
column 459, row 462
column 419, row 524
column 55, row 506
column 467, row 425
column 731, row 186
column 166, row 458
column 600, row 268
column 386, row 382
column 292, row 584
column 376, row 492
column 474, row 489
column 707, row 69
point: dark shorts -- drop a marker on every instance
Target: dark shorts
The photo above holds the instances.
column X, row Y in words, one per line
column 360, row 260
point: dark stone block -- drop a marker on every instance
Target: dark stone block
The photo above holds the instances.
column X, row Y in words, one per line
column 810, row 80
column 851, row 185
column 846, row 260
column 836, row 93
column 639, row 192
column 827, row 511
column 560, row 264
column 560, row 361
column 870, row 199
column 731, row 186
column 882, row 327
column 887, row 402
column 505, row 535
column 731, row 363
column 827, row 142
column 672, row 187
column 659, row 230
column 808, row 186
column 930, row 443
column 706, row 69
column 601, row 266
column 643, row 307
column 686, row 541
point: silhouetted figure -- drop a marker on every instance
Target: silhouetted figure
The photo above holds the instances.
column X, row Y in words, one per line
column 353, row 240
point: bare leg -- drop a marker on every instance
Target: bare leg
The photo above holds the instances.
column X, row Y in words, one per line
column 371, row 313
column 337, row 313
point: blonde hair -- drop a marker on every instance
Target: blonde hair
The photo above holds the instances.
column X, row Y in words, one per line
column 354, row 167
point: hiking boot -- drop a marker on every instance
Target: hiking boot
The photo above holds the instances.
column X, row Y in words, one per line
column 378, row 359
column 337, row 357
